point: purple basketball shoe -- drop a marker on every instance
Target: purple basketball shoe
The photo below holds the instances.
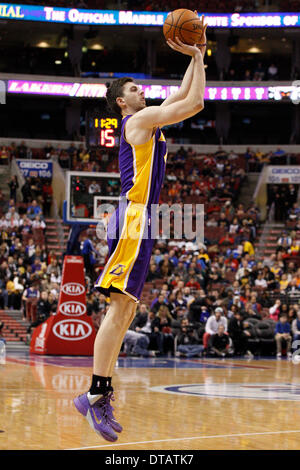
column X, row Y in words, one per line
column 97, row 410
column 111, row 419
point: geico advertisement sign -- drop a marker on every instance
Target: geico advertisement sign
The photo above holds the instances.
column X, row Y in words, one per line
column 72, row 330
column 34, row 165
column 73, row 288
column 72, row 308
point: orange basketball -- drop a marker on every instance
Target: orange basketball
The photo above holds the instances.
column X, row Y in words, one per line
column 185, row 24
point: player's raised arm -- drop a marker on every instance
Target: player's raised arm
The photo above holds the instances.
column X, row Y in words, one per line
column 187, row 79
column 184, row 88
column 193, row 103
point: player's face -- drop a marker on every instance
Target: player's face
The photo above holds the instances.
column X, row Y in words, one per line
column 134, row 97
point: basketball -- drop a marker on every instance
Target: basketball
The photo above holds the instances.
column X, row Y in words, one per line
column 185, row 24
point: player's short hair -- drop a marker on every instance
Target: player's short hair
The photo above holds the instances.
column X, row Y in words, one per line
column 115, row 91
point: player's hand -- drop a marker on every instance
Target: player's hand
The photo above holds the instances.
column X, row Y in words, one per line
column 180, row 46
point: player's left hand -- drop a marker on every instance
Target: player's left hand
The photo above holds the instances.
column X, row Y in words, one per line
column 203, row 40
column 180, row 46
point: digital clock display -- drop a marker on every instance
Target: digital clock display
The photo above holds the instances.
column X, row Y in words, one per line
column 102, row 131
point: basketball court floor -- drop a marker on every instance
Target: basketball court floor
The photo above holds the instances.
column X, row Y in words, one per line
column 162, row 403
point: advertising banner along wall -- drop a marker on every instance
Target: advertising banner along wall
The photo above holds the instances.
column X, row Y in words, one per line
column 71, row 331
column 35, row 168
column 53, row 14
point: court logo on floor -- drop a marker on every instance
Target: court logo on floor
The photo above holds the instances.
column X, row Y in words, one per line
column 250, row 391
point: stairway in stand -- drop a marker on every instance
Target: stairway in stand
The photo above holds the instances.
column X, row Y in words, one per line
column 56, row 236
column 15, row 327
column 4, row 180
column 268, row 236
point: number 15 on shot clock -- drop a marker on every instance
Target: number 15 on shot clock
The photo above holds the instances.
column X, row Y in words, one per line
column 107, row 128
column 102, row 130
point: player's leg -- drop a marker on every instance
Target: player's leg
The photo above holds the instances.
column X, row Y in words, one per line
column 117, row 347
column 95, row 404
column 118, row 343
column 110, row 336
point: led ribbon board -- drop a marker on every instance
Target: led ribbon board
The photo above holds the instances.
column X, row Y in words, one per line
column 52, row 14
column 98, row 90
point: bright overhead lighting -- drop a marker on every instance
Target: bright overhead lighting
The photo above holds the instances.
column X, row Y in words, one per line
column 97, row 47
column 254, row 50
column 43, row 44
column 58, row 62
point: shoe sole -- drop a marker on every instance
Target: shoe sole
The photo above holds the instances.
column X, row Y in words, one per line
column 87, row 415
column 116, row 428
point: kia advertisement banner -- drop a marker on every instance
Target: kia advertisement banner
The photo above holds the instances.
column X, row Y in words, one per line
column 71, row 331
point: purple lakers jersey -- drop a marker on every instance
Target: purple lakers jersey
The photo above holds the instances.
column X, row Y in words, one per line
column 142, row 168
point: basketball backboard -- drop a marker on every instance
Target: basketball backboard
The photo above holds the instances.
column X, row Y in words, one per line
column 90, row 197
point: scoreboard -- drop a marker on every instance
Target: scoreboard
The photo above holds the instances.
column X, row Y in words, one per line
column 101, row 130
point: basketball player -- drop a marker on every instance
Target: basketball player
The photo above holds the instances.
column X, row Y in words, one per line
column 142, row 160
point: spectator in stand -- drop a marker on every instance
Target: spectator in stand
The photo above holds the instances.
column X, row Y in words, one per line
column 157, row 303
column 275, row 310
column 248, row 247
column 283, row 336
column 12, row 216
column 47, row 198
column 284, row 242
column 30, row 298
column 162, row 324
column 88, row 251
column 43, row 310
column 53, row 303
column 259, row 72
column 219, row 343
column 38, row 223
column 212, row 324
column 4, row 156
column 277, row 270
column 30, row 250
column 260, row 281
column 188, row 343
column 13, row 186
column 26, row 192
column 227, row 240
column 193, row 284
column 248, row 75
column 143, row 324
column 254, row 304
column 14, row 291
column 284, row 282
column 36, row 189
column 272, row 72
column 294, row 248
column 296, row 327
column 234, row 227
column 136, row 344
column 22, row 150
column 238, row 335
column 34, row 210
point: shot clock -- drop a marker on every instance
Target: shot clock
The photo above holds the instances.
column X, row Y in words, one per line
column 102, row 130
